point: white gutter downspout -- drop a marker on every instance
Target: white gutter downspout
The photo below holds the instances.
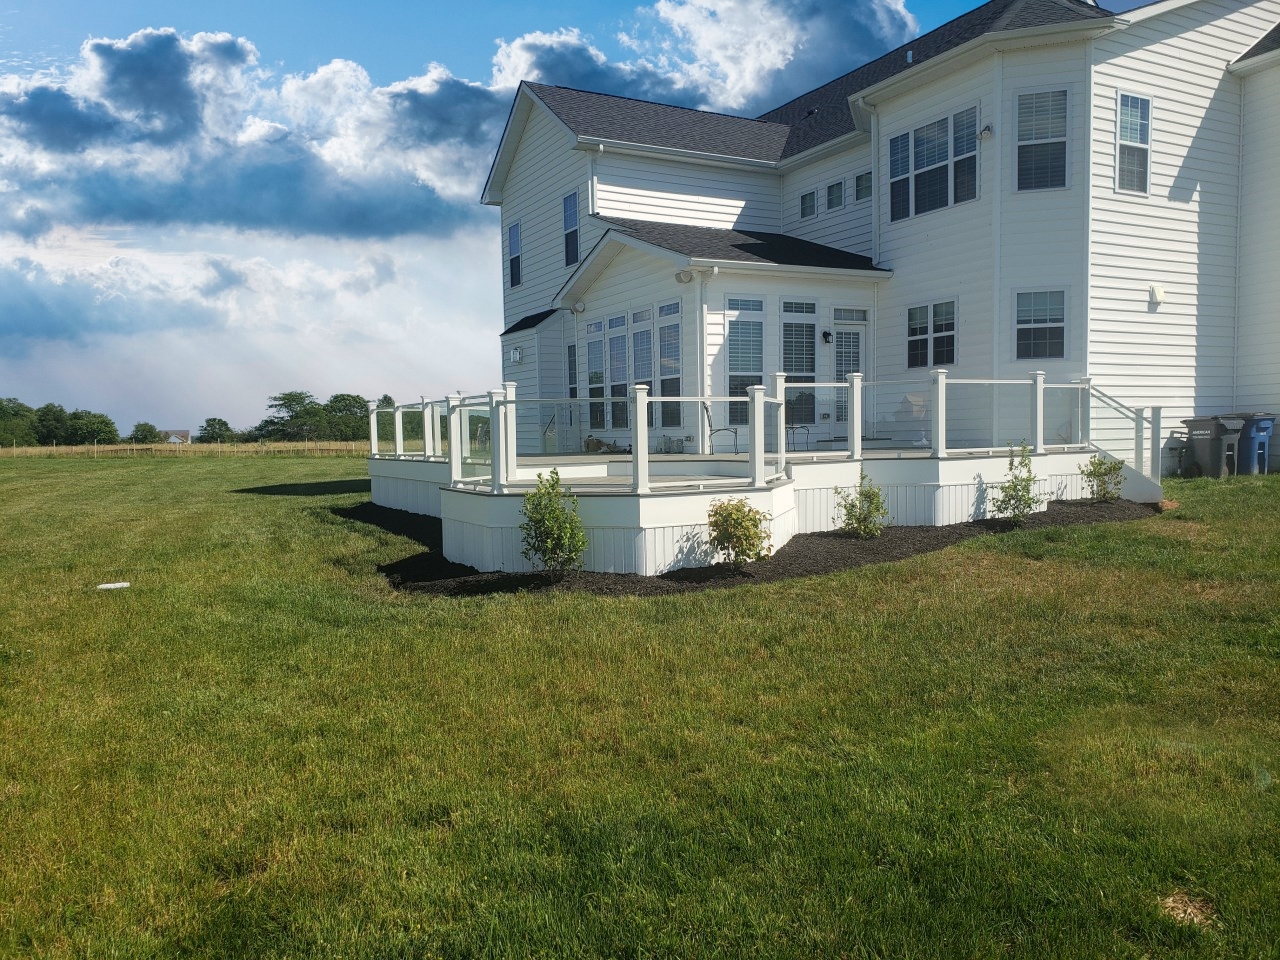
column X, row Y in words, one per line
column 1235, row 327
column 875, row 180
column 997, row 215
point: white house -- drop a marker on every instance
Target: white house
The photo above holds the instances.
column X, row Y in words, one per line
column 1038, row 192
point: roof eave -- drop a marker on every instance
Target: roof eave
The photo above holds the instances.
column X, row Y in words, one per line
column 843, row 142
column 759, row 266
column 988, row 43
column 1243, row 68
column 601, row 144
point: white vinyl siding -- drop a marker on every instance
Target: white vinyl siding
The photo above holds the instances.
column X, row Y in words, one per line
column 846, row 227
column 1258, row 353
column 642, row 188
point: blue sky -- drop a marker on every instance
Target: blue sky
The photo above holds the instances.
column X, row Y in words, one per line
column 206, row 203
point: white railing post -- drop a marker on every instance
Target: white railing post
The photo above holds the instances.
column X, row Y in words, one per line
column 426, row 430
column 780, row 394
column 454, row 413
column 1086, row 409
column 497, row 442
column 854, row 408
column 756, row 429
column 1157, row 443
column 1139, row 441
column 397, row 415
column 511, row 429
column 373, row 428
column 938, row 389
column 1037, row 411
column 640, row 439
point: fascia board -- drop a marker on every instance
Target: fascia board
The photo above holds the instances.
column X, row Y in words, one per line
column 1138, row 14
column 607, row 248
column 1254, row 64
column 788, row 269
column 691, row 156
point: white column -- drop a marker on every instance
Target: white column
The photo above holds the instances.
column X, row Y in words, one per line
column 455, row 437
column 397, row 415
column 373, row 428
column 427, row 440
column 1086, row 408
column 640, row 439
column 755, row 427
column 854, row 407
column 1139, row 440
column 780, row 394
column 938, row 411
column 511, row 428
column 497, row 442
column 1157, row 442
column 1037, row 411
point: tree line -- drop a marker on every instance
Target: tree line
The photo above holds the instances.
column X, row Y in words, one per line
column 295, row 415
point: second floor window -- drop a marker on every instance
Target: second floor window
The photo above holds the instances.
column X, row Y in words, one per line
column 808, row 204
column 835, row 195
column 1133, row 166
column 1042, row 140
column 862, row 186
column 571, row 229
column 513, row 253
column 934, row 166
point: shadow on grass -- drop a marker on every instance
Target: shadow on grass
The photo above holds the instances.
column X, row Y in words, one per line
column 320, row 488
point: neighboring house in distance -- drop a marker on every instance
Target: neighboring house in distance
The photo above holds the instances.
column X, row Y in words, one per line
column 176, row 436
column 1038, row 184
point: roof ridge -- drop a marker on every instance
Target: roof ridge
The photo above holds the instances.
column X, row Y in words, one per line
column 652, row 103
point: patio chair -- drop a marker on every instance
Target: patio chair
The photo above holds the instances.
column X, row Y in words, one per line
column 713, row 429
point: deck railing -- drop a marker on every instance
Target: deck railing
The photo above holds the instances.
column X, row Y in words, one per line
column 498, row 441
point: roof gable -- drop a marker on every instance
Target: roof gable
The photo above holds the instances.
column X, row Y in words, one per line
column 1268, row 44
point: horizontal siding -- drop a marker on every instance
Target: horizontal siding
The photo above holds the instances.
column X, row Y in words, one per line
column 641, row 188
column 1258, row 363
column 1183, row 235
column 847, row 227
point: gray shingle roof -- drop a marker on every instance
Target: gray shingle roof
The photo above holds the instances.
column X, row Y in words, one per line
column 529, row 322
column 823, row 114
column 659, row 125
column 744, row 246
column 1266, row 45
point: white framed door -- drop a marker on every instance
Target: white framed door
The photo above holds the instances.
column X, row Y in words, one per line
column 850, row 353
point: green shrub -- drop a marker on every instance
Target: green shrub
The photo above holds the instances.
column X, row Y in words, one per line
column 1104, row 477
column 554, row 538
column 737, row 530
column 1018, row 497
column 861, row 512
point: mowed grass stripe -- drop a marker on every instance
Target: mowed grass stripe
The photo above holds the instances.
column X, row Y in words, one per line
column 1014, row 747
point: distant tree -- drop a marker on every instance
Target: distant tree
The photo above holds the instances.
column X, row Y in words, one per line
column 85, row 426
column 17, row 423
column 51, row 424
column 347, row 417
column 145, row 433
column 386, row 401
column 215, row 430
column 297, row 416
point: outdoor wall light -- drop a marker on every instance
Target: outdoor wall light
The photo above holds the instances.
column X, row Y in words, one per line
column 826, row 336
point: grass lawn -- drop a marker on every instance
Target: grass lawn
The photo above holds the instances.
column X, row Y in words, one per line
column 1016, row 747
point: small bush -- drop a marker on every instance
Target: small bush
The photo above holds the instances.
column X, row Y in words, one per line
column 1018, row 497
column 737, row 530
column 1104, row 477
column 553, row 535
column 861, row 513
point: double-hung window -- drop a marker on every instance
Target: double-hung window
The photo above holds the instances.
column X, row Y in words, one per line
column 1042, row 324
column 513, row 254
column 835, row 195
column 571, row 362
column 934, row 166
column 669, row 371
column 571, row 229
column 848, row 344
column 1133, row 162
column 744, row 350
column 618, row 380
column 862, row 186
column 642, row 362
column 595, row 382
column 1042, row 140
column 808, row 204
column 931, row 335
column 799, row 361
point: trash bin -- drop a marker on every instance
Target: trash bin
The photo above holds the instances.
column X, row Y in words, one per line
column 1213, row 445
column 1255, row 441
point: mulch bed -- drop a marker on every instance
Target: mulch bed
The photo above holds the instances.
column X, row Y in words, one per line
column 805, row 555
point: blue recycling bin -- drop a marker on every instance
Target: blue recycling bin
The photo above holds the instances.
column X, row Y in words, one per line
column 1254, row 450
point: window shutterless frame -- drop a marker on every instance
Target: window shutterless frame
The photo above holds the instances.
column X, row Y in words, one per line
column 935, row 165
column 570, row 211
column 513, row 254
column 1042, row 127
column 1133, row 143
column 1041, row 321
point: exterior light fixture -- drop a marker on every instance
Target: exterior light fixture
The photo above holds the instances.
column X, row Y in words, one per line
column 826, row 336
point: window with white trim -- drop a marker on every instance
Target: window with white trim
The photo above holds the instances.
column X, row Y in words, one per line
column 835, row 195
column 642, row 316
column 618, row 381
column 642, row 363
column 931, row 335
column 799, row 363
column 669, row 371
column 1042, row 140
column 595, row 326
column 671, row 309
column 1133, row 157
column 1042, row 325
column 513, row 254
column 744, row 351
column 749, row 306
column 799, row 306
column 571, row 229
column 808, row 204
column 571, row 362
column 862, row 186
column 934, row 166
column 595, row 382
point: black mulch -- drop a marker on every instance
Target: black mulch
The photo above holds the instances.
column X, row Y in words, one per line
column 806, row 555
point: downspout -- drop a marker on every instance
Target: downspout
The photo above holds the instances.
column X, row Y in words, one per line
column 1235, row 327
column 997, row 218
column 877, row 192
column 1087, row 296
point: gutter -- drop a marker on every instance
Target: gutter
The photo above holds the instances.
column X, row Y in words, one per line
column 600, row 145
column 788, row 268
column 1254, row 64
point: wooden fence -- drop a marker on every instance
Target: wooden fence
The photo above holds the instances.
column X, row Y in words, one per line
column 303, row 448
